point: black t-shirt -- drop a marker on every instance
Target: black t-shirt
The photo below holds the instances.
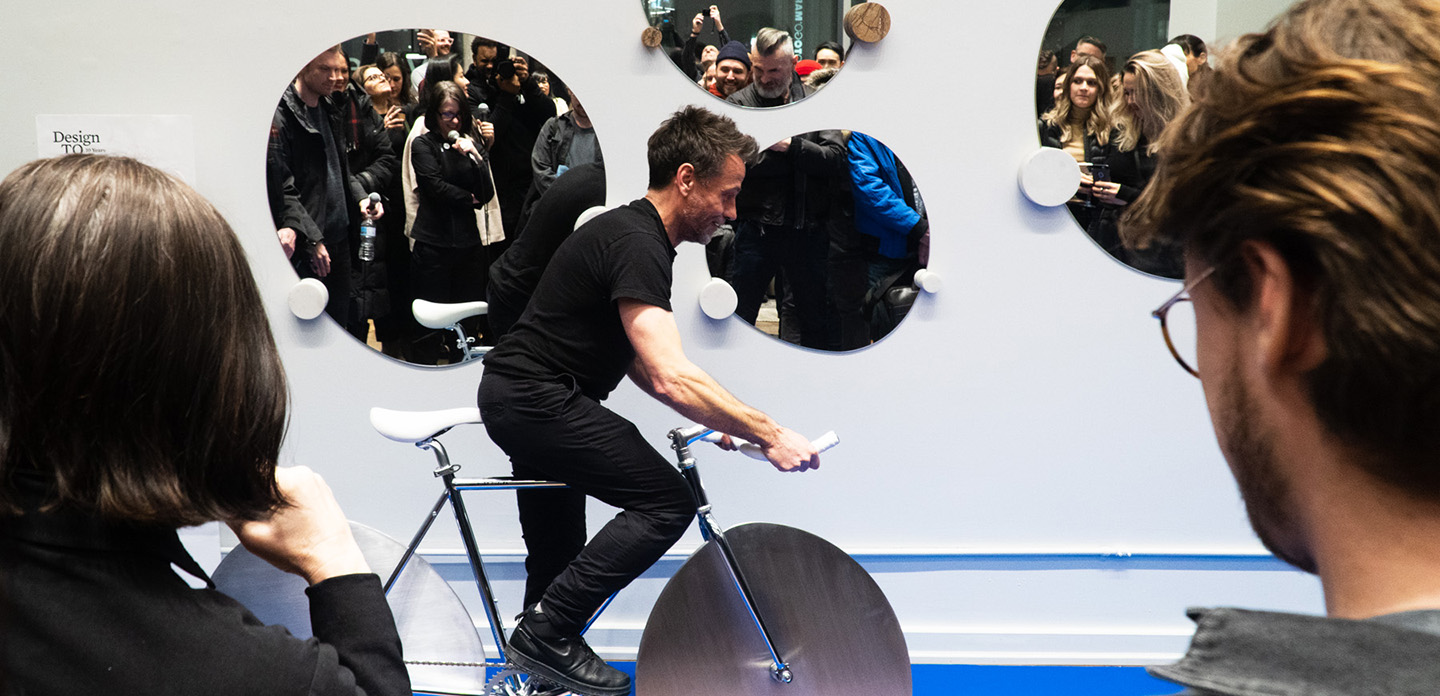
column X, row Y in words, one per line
column 572, row 324
column 515, row 274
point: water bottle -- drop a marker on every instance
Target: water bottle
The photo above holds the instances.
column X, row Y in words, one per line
column 367, row 230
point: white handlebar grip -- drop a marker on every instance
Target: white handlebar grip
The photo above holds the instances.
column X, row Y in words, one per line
column 826, row 441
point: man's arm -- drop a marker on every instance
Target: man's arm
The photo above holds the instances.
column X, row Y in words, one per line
column 663, row 371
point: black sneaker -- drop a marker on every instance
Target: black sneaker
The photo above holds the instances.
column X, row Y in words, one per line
column 565, row 660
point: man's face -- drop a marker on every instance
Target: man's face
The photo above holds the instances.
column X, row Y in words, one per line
column 709, row 53
column 376, row 84
column 732, row 76
column 1242, row 427
column 827, row 58
column 443, row 42
column 485, row 58
column 711, row 202
column 773, row 73
column 326, row 74
column 709, row 78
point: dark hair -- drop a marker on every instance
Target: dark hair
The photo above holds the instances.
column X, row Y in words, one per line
column 177, row 419
column 390, row 59
column 1190, row 43
column 1097, row 43
column 480, row 41
column 1045, row 58
column 448, row 90
column 697, row 137
column 1336, row 96
column 832, row 45
column 438, row 69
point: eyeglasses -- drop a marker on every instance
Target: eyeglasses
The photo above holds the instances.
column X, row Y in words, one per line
column 449, row 115
column 1177, row 324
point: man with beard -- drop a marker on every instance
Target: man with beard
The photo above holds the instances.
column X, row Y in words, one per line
column 483, row 53
column 601, row 311
column 732, row 69
column 772, row 73
column 1302, row 188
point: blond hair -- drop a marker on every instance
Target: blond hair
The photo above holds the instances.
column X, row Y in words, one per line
column 1099, row 121
column 1159, row 93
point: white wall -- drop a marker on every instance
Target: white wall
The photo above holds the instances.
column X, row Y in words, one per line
column 1002, row 452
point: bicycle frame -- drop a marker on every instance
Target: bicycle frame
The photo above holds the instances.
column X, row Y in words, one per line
column 710, row 530
column 445, row 471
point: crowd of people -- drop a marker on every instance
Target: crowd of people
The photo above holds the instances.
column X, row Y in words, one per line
column 458, row 150
column 727, row 66
column 829, row 222
column 1110, row 122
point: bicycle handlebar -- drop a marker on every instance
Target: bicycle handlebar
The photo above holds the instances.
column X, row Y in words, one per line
column 752, row 450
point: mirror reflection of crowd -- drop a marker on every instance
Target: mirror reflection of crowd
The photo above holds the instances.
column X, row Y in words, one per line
column 1111, row 125
column 458, row 152
column 829, row 222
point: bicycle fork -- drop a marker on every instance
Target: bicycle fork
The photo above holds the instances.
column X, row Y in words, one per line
column 710, row 530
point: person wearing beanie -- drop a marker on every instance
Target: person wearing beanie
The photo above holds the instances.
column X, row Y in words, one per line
column 732, row 69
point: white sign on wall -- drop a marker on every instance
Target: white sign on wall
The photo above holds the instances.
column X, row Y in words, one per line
column 166, row 142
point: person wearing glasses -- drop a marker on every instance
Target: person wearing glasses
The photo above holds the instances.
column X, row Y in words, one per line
column 452, row 182
column 1302, row 186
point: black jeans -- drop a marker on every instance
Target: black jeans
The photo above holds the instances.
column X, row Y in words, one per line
column 800, row 255
column 550, row 430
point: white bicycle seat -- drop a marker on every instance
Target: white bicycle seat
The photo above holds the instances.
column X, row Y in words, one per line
column 434, row 315
column 414, row 426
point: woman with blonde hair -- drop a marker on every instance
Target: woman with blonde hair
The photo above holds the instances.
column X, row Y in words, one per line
column 1080, row 123
column 1153, row 95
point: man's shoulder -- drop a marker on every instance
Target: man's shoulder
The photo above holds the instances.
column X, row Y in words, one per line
column 745, row 96
column 1245, row 652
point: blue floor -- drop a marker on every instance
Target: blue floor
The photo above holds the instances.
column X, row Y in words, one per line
column 944, row 680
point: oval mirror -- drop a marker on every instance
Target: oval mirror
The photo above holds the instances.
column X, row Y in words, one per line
column 824, row 260
column 753, row 53
column 1109, row 78
column 401, row 165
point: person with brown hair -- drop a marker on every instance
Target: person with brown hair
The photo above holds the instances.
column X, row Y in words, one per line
column 1080, row 123
column 177, row 422
column 601, row 311
column 1302, row 186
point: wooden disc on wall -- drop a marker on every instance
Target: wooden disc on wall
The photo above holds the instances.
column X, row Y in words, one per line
column 652, row 37
column 868, row 22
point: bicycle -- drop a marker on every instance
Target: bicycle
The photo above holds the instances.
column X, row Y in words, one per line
column 721, row 625
column 447, row 316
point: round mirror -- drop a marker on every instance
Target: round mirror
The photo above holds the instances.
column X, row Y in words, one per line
column 401, row 166
column 830, row 230
column 1110, row 77
column 753, row 53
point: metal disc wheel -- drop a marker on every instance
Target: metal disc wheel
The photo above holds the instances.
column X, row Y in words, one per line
column 514, row 682
column 829, row 620
column 443, row 652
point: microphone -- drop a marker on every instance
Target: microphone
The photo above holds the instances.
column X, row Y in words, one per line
column 482, row 112
column 454, row 138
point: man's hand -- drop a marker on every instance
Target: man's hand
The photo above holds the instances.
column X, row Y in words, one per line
column 426, row 39
column 522, row 67
column 487, row 132
column 310, row 537
column 790, row 451
column 697, row 24
column 320, row 260
column 287, row 240
column 715, row 14
column 376, row 209
column 782, row 146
